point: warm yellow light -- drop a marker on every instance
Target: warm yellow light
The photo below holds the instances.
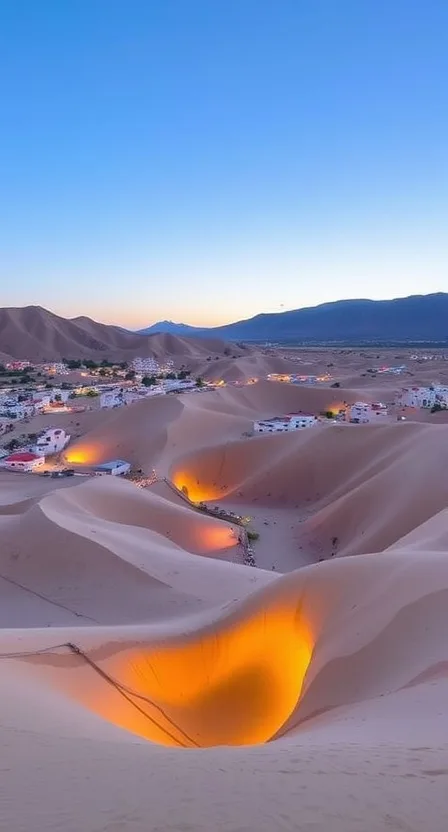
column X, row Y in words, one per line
column 84, row 455
column 234, row 684
column 195, row 491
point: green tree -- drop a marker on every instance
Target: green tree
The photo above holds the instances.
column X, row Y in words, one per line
column 149, row 381
column 12, row 445
column 252, row 535
column 57, row 398
column 171, row 376
column 92, row 393
column 199, row 382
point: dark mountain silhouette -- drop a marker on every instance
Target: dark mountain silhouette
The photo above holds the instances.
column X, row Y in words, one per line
column 415, row 318
column 171, row 328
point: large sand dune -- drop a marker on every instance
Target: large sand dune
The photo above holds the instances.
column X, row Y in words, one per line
column 153, row 682
column 31, row 332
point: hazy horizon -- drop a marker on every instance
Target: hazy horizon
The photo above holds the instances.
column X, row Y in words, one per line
column 208, row 162
column 205, row 326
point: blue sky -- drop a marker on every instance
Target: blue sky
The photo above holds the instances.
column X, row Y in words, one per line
column 206, row 160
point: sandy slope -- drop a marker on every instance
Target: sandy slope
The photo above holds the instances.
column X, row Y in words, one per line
column 31, row 332
column 247, row 700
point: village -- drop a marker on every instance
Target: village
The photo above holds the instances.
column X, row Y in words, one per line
column 28, row 392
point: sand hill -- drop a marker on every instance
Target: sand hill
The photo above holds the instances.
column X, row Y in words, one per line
column 34, row 333
column 152, row 681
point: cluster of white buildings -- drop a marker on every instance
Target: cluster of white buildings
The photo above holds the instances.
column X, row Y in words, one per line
column 55, row 368
column 119, row 397
column 52, row 440
column 151, row 367
column 424, row 396
column 282, row 424
column 17, row 406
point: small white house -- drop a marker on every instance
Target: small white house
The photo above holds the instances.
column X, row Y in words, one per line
column 52, row 441
column 24, row 461
column 115, row 468
column 282, row 424
column 359, row 413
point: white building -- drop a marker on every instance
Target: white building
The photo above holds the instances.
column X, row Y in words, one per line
column 52, row 441
column 24, row 461
column 115, row 468
column 418, row 397
column 364, row 412
column 282, row 424
column 111, row 398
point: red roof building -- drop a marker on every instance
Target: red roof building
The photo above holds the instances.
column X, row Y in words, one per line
column 23, row 461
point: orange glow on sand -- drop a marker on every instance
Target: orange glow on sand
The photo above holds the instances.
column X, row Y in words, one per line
column 218, row 536
column 195, row 491
column 83, row 455
column 234, row 684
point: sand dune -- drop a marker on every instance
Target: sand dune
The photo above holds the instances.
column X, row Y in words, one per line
column 313, row 700
column 32, row 332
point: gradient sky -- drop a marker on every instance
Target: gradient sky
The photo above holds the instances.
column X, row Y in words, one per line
column 206, row 160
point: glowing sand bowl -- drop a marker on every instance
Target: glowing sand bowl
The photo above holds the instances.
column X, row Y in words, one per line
column 234, row 686
column 83, row 455
column 187, row 482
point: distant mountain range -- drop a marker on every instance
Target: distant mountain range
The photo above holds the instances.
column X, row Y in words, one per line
column 414, row 318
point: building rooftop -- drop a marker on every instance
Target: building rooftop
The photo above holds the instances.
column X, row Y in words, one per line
column 23, row 456
column 108, row 466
